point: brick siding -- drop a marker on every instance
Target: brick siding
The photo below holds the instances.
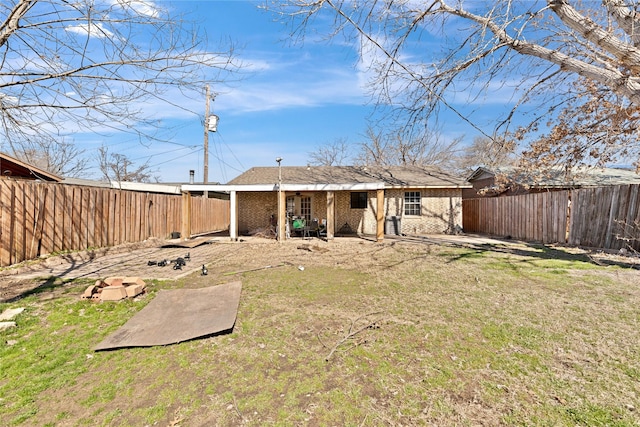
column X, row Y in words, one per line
column 441, row 211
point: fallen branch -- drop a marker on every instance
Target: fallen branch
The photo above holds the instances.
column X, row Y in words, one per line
column 352, row 333
column 231, row 273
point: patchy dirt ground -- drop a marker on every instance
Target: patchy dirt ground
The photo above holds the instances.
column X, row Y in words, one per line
column 458, row 334
column 221, row 256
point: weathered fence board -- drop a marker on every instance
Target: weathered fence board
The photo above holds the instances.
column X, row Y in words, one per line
column 600, row 217
column 38, row 218
column 538, row 217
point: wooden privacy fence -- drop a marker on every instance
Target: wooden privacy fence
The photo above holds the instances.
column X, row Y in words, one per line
column 606, row 217
column 601, row 217
column 540, row 217
column 39, row 218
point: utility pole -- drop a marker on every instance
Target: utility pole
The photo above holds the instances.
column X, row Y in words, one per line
column 205, row 171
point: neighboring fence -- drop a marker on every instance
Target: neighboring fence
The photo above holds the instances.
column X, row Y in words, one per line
column 208, row 215
column 540, row 217
column 606, row 217
column 602, row 217
column 40, row 218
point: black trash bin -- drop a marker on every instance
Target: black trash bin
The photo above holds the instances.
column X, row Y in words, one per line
column 393, row 226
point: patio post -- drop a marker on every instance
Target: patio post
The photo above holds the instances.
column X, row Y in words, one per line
column 380, row 215
column 233, row 216
column 331, row 218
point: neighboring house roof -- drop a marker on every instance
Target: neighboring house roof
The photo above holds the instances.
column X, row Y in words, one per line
column 560, row 178
column 386, row 176
column 10, row 167
column 146, row 187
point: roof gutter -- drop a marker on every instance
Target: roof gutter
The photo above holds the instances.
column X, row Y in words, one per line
column 285, row 187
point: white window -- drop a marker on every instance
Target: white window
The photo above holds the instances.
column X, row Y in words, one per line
column 412, row 205
column 291, row 206
column 305, row 207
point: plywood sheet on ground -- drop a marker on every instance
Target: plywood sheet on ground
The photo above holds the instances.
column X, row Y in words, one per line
column 179, row 315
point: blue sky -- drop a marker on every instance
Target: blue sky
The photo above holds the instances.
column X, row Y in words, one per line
column 292, row 99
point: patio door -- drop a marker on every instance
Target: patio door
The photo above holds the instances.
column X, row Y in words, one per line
column 300, row 206
column 305, row 208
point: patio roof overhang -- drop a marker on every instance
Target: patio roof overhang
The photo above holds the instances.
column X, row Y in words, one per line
column 285, row 187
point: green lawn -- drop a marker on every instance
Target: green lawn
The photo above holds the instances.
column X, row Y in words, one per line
column 403, row 335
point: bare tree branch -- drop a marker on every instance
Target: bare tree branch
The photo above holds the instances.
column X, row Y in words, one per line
column 119, row 168
column 86, row 65
column 332, row 154
column 428, row 52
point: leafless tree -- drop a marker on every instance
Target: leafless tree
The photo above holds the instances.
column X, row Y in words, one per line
column 61, row 158
column 335, row 153
column 487, row 152
column 376, row 150
column 398, row 148
column 90, row 65
column 423, row 55
column 119, row 168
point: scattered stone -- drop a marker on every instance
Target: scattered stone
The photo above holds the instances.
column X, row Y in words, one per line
column 10, row 313
column 115, row 289
column 113, row 293
column 7, row 325
column 134, row 290
column 88, row 293
column 12, row 342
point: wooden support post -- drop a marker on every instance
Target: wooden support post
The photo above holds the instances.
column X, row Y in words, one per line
column 331, row 217
column 233, row 216
column 282, row 216
column 380, row 215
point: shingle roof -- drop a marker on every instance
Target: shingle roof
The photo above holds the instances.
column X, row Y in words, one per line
column 392, row 176
column 559, row 178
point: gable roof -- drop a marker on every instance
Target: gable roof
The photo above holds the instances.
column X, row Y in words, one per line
column 10, row 167
column 389, row 176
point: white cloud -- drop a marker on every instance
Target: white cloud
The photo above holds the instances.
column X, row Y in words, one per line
column 8, row 99
column 141, row 7
column 323, row 88
column 92, row 29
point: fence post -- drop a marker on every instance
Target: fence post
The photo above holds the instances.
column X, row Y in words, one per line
column 186, row 215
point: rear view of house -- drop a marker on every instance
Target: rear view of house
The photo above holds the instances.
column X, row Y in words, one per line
column 405, row 199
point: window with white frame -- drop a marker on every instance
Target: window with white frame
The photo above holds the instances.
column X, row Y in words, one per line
column 412, row 204
column 305, row 207
column 291, row 206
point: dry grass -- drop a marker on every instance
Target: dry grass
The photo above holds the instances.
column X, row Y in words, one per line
column 365, row 334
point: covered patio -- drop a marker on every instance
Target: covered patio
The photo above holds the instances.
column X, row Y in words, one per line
column 281, row 192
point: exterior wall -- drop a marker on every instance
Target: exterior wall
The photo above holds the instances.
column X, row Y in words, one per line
column 355, row 219
column 319, row 206
column 255, row 210
column 441, row 210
